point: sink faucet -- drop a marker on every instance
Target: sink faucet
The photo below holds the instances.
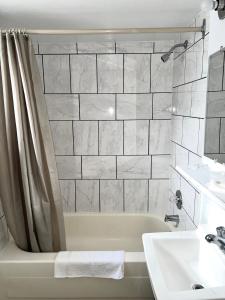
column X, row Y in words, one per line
column 172, row 218
column 218, row 239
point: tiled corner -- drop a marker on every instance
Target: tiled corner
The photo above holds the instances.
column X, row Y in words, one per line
column 162, row 103
column 158, row 197
column 160, row 136
column 136, row 195
column 160, row 166
column 111, row 195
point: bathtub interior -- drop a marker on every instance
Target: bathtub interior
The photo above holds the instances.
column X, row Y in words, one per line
column 110, row 231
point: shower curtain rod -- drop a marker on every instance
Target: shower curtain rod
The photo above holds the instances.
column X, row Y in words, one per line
column 113, row 30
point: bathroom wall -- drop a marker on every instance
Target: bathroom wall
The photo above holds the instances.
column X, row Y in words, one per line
column 108, row 110
column 188, row 120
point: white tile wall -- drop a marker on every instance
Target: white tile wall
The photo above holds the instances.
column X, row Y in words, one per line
column 137, row 73
column 109, row 106
column 83, row 73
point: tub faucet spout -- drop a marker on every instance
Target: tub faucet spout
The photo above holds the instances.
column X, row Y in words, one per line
column 172, row 218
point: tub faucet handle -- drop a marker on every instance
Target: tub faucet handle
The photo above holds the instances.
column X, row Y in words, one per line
column 172, row 218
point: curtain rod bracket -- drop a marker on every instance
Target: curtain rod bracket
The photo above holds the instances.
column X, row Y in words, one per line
column 203, row 28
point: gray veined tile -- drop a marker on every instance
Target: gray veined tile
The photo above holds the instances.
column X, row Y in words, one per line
column 193, row 62
column 188, row 195
column 85, row 137
column 182, row 99
column 177, row 127
column 96, row 47
column 69, row 167
column 222, row 136
column 136, row 73
column 212, row 135
column 83, row 73
column 190, row 134
column 163, row 46
column 160, row 136
column 62, row 134
column 99, row 167
column 134, row 106
column 110, row 137
column 111, row 195
column 56, row 73
column 201, row 137
column 68, row 195
column 174, row 181
column 181, row 157
column 215, row 74
column 178, row 70
column 162, row 103
column 97, row 107
column 62, row 107
column 57, row 48
column 160, row 166
column 134, row 47
column 133, row 167
column 158, row 197
column 136, row 195
column 215, row 104
column 136, row 137
column 198, row 99
column 110, row 73
column 161, row 74
column 87, row 195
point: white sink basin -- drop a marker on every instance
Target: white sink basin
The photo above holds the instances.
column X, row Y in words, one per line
column 177, row 261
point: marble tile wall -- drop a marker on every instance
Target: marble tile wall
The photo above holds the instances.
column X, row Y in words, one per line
column 188, row 121
column 108, row 106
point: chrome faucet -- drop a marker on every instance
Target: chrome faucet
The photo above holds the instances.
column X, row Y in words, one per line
column 218, row 239
column 172, row 218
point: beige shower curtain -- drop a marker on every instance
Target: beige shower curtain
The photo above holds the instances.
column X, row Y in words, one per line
column 29, row 187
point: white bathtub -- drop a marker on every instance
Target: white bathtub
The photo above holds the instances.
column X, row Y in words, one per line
column 25, row 275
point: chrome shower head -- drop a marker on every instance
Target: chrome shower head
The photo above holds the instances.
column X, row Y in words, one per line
column 166, row 56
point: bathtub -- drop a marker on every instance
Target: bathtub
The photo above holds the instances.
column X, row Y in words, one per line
column 25, row 275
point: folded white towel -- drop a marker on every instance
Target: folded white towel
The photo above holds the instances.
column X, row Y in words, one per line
column 102, row 264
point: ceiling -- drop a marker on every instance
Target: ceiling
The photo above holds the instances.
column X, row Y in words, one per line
column 65, row 14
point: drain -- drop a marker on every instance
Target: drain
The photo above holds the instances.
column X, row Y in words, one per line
column 197, row 286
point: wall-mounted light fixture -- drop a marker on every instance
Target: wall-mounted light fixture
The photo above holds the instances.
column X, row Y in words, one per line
column 219, row 5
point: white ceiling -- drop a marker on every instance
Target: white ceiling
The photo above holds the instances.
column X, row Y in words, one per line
column 71, row 14
column 97, row 13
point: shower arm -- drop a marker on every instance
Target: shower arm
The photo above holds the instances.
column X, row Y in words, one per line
column 91, row 31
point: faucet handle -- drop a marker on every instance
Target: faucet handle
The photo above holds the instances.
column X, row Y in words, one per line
column 220, row 232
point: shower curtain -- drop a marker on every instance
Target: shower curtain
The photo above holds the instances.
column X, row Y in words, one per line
column 29, row 187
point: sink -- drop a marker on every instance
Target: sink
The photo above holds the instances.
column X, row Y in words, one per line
column 182, row 265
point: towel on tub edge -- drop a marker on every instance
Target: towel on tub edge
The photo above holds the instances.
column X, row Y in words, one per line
column 101, row 264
